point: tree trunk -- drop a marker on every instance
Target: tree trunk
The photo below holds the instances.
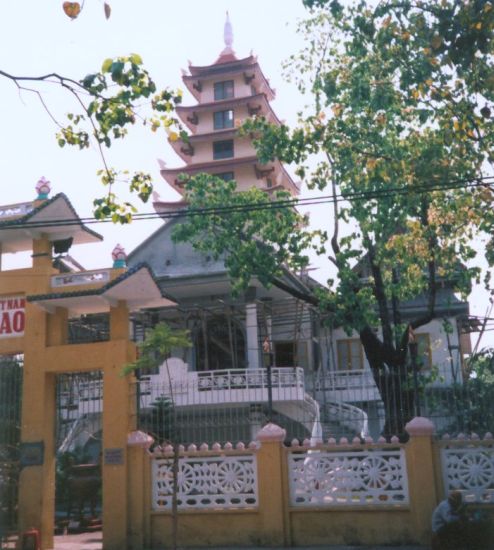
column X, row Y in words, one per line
column 393, row 380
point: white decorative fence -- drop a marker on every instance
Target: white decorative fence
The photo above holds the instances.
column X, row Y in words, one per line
column 206, row 482
column 355, row 477
column 81, row 278
column 468, row 466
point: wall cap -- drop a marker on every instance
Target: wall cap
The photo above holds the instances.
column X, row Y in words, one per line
column 271, row 432
column 139, row 439
column 420, row 426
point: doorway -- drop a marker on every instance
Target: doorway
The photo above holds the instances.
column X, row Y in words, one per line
column 78, row 440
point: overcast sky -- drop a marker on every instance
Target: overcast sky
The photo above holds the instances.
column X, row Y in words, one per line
column 38, row 38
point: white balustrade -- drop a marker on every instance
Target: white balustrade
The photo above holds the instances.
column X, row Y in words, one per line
column 15, row 210
column 347, row 385
column 376, row 477
column 80, row 278
column 226, row 386
column 469, row 467
column 206, row 482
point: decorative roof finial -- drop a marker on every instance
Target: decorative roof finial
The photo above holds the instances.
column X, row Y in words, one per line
column 119, row 256
column 228, row 34
column 43, row 188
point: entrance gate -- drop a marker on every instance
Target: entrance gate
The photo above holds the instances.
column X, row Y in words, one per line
column 78, row 450
column 10, row 429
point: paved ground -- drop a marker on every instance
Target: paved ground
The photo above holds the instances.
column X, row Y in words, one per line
column 93, row 541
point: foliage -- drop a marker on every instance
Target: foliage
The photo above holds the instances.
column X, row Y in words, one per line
column 159, row 421
column 64, row 464
column 157, row 346
column 255, row 239
column 109, row 102
column 400, row 135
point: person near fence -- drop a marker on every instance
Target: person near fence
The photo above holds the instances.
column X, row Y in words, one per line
column 449, row 520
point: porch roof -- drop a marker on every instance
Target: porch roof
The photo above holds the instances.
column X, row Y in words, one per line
column 137, row 287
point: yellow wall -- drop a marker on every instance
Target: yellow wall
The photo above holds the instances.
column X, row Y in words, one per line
column 46, row 353
column 274, row 523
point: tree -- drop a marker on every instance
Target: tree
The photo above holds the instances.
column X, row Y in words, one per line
column 153, row 351
column 401, row 135
column 108, row 103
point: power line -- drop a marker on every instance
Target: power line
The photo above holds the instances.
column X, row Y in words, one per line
column 484, row 181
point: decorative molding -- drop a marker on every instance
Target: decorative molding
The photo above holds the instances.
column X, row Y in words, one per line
column 372, row 477
column 227, row 482
column 139, row 439
column 16, row 210
column 80, row 278
column 470, row 469
column 193, row 119
column 420, row 426
column 271, row 432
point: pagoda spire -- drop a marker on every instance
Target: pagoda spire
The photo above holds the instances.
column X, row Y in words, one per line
column 228, row 36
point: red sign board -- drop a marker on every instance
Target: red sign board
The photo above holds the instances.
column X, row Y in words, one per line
column 12, row 316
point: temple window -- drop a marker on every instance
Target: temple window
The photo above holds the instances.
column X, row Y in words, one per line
column 226, row 176
column 223, row 90
column 291, row 354
column 223, row 119
column 223, row 149
column 350, row 356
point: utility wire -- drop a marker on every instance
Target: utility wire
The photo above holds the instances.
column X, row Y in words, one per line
column 484, row 181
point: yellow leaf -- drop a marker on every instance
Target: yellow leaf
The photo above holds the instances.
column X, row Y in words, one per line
column 415, row 94
column 71, row 9
column 371, row 164
column 456, row 125
column 478, row 26
column 173, row 136
column 337, row 108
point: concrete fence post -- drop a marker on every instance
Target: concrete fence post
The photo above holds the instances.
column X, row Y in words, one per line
column 271, row 485
column 138, row 444
column 421, row 475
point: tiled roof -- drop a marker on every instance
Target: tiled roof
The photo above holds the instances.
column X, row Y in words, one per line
column 23, row 219
column 101, row 289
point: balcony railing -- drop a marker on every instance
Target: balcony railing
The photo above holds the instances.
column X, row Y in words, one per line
column 346, row 385
column 225, row 386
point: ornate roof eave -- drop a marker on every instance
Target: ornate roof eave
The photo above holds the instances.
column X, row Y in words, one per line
column 256, row 104
column 47, row 217
column 169, row 207
column 215, row 167
column 250, row 72
column 206, row 70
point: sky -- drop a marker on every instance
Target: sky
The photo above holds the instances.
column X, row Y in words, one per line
column 38, row 38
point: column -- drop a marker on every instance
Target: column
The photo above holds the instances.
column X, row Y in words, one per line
column 421, row 476
column 252, row 332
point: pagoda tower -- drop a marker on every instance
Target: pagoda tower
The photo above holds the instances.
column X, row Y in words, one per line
column 227, row 93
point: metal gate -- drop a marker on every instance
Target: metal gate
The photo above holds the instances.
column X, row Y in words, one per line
column 10, row 432
column 78, row 442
